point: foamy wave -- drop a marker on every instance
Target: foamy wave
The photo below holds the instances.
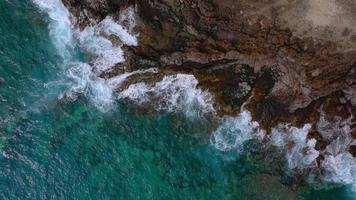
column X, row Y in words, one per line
column 110, row 27
column 300, row 151
column 180, row 93
column 105, row 54
column 94, row 41
column 235, row 131
column 60, row 26
column 100, row 91
column 174, row 93
column 332, row 129
column 85, row 82
column 339, row 166
column 116, row 81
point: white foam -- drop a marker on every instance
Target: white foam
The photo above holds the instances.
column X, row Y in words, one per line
column 85, row 82
column 174, row 93
column 235, row 131
column 300, row 151
column 116, row 81
column 100, row 91
column 93, row 40
column 110, row 27
column 180, row 93
column 339, row 166
column 127, row 18
column 331, row 129
column 105, row 54
column 60, row 26
column 137, row 92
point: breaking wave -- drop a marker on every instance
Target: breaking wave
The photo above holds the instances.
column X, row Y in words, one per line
column 299, row 150
column 60, row 26
column 180, row 93
column 175, row 93
column 339, row 166
column 93, row 40
column 235, row 131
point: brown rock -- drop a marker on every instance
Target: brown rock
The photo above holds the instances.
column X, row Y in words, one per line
column 299, row 55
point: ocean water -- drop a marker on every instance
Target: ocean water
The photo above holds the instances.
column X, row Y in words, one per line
column 64, row 135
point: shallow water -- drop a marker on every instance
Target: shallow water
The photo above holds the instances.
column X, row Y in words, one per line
column 58, row 148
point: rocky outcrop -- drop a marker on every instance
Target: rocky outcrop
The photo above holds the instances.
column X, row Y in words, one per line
column 288, row 57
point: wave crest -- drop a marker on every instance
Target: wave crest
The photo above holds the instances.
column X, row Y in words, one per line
column 174, row 93
column 235, row 131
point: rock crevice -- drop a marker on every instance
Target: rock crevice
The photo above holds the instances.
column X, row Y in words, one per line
column 289, row 57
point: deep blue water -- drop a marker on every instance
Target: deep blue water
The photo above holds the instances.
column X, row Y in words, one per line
column 58, row 149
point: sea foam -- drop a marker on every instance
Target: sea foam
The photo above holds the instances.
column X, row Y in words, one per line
column 180, row 93
column 338, row 166
column 299, row 150
column 174, row 93
column 233, row 132
column 104, row 53
column 60, row 27
column 94, row 41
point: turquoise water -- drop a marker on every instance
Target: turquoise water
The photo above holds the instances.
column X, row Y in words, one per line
column 58, row 149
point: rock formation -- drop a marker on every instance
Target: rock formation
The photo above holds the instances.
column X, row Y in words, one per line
column 288, row 58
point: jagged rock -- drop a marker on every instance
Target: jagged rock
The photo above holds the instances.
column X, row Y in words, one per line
column 300, row 55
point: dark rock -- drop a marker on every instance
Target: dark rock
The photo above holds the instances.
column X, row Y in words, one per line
column 297, row 58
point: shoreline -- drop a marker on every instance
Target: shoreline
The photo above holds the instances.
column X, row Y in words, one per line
column 284, row 74
column 246, row 54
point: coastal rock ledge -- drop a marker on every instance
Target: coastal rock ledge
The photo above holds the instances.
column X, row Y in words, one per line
column 292, row 60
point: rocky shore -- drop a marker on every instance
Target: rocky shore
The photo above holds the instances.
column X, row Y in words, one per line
column 291, row 60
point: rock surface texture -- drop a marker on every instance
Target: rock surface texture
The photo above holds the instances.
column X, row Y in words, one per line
column 289, row 58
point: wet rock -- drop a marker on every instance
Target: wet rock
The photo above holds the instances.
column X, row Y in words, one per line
column 89, row 12
column 297, row 56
